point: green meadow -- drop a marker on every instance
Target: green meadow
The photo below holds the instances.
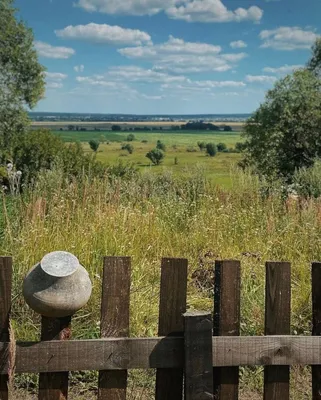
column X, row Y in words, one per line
column 182, row 151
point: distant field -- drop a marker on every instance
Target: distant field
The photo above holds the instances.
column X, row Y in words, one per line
column 177, row 158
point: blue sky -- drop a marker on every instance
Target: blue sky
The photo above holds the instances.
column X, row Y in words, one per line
column 167, row 56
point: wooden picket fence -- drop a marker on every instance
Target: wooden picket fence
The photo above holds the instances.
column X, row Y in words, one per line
column 196, row 357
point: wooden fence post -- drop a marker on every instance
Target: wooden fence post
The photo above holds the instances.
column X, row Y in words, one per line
column 226, row 322
column 277, row 322
column 198, row 356
column 316, row 327
column 169, row 382
column 54, row 385
column 112, row 385
column 5, row 308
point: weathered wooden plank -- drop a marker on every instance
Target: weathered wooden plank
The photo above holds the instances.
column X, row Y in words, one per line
column 112, row 385
column 5, row 307
column 316, row 325
column 277, row 322
column 159, row 352
column 169, row 382
column 54, row 386
column 226, row 322
column 198, row 356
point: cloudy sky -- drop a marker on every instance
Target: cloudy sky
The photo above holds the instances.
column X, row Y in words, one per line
column 167, row 56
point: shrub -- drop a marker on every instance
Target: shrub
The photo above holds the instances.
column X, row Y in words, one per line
column 144, row 141
column 221, row 147
column 156, row 156
column 227, row 128
column 116, row 128
column 130, row 137
column 307, row 181
column 239, row 147
column 211, row 149
column 191, row 149
column 94, row 145
column 129, row 147
column 160, row 145
column 201, row 145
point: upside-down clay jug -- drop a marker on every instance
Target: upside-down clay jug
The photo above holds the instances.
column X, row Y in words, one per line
column 57, row 286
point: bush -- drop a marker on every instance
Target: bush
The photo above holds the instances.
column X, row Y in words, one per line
column 116, row 128
column 94, row 145
column 144, row 141
column 129, row 147
column 201, row 145
column 239, row 147
column 160, row 145
column 191, row 149
column 211, row 149
column 221, row 147
column 130, row 137
column 156, row 156
column 307, row 181
column 227, row 128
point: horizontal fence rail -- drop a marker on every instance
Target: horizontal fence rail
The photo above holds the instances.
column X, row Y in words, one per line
column 197, row 355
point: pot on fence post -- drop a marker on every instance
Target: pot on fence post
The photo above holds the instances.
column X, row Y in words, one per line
column 57, row 286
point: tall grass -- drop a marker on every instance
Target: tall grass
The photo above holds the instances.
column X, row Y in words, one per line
column 151, row 216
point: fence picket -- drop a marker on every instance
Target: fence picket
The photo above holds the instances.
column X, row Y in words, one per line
column 226, row 322
column 169, row 382
column 316, row 325
column 198, row 356
column 277, row 322
column 5, row 307
column 112, row 385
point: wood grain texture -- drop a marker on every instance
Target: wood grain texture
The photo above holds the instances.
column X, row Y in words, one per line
column 277, row 322
column 5, row 308
column 226, row 322
column 112, row 385
column 173, row 290
column 54, row 386
column 198, row 356
column 159, row 352
column 316, row 325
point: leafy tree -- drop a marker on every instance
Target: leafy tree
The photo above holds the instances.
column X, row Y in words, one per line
column 227, row 128
column 283, row 135
column 116, row 128
column 156, row 156
column 160, row 145
column 94, row 145
column 201, row 145
column 314, row 64
column 211, row 149
column 129, row 147
column 221, row 147
column 22, row 82
column 130, row 137
column 240, row 146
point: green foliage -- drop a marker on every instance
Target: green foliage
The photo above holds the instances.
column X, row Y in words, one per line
column 156, row 156
column 314, row 64
column 116, row 128
column 307, row 181
column 191, row 149
column 283, row 135
column 201, row 145
column 160, row 145
column 211, row 149
column 94, row 145
column 221, row 147
column 130, row 137
column 21, row 77
column 129, row 147
column 240, row 146
column 227, row 128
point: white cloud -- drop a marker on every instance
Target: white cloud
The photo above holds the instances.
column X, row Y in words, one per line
column 238, row 44
column 95, row 81
column 55, row 76
column 288, row 38
column 138, row 74
column 285, row 69
column 54, row 85
column 129, row 7
column 48, row 51
column 104, row 34
column 179, row 56
column 148, row 97
column 79, row 68
column 212, row 11
column 260, row 79
column 200, row 87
